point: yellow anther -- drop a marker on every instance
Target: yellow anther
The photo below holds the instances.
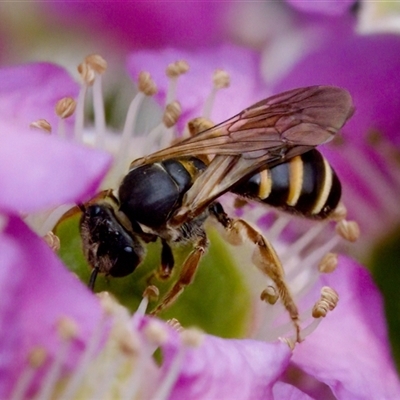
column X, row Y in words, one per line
column 339, row 213
column 328, row 301
column 52, row 240
column 146, row 84
column 348, row 230
column 37, row 357
column 87, row 73
column 109, row 304
column 199, row 124
column 151, row 292
column 221, row 79
column 177, row 68
column 175, row 325
column 127, row 341
column 192, row 337
column 155, row 333
column 171, row 114
column 65, row 107
column 330, row 296
column 328, row 263
column 42, row 125
column 67, row 328
column 96, row 62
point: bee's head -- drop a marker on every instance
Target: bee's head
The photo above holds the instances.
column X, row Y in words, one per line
column 108, row 245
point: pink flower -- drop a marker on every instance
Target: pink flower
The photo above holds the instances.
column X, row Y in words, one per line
column 38, row 170
column 147, row 24
column 62, row 333
column 330, row 8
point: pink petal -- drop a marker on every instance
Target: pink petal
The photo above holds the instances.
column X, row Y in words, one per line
column 323, row 7
column 29, row 92
column 195, row 86
column 367, row 66
column 349, row 351
column 37, row 291
column 146, row 24
column 38, row 171
column 285, row 391
column 222, row 368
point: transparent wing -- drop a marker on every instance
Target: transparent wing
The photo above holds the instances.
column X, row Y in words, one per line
column 306, row 116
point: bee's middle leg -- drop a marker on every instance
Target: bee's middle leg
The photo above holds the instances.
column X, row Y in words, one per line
column 187, row 274
column 264, row 258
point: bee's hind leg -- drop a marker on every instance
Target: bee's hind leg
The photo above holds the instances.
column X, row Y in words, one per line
column 264, row 258
column 187, row 273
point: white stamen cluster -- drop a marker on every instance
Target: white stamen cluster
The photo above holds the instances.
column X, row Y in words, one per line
column 303, row 259
column 116, row 362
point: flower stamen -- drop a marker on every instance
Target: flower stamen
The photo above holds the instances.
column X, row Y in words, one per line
column 328, row 263
column 328, row 302
column 67, row 330
column 348, row 230
column 150, row 293
column 36, row 359
column 173, row 71
column 64, row 108
column 98, row 333
column 175, row 325
column 52, row 240
column 221, row 80
column 42, row 125
column 155, row 333
column 147, row 87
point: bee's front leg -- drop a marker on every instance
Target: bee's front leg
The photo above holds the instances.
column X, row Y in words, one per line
column 187, row 274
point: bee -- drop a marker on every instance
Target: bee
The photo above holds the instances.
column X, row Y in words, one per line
column 266, row 153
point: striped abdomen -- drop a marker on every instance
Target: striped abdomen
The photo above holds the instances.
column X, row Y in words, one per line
column 305, row 185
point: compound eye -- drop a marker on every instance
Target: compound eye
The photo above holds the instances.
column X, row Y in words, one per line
column 95, row 210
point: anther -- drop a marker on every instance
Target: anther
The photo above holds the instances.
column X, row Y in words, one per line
column 328, row 301
column 146, row 84
column 87, row 73
column 171, row 114
column 37, row 357
column 348, row 230
column 42, row 125
column 127, row 343
column 65, row 107
column 175, row 325
column 67, row 328
column 221, row 79
column 97, row 63
column 200, row 124
column 108, row 303
column 151, row 292
column 52, row 240
column 177, row 68
column 339, row 213
column 269, row 295
column 328, row 263
column 192, row 337
column 155, row 333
